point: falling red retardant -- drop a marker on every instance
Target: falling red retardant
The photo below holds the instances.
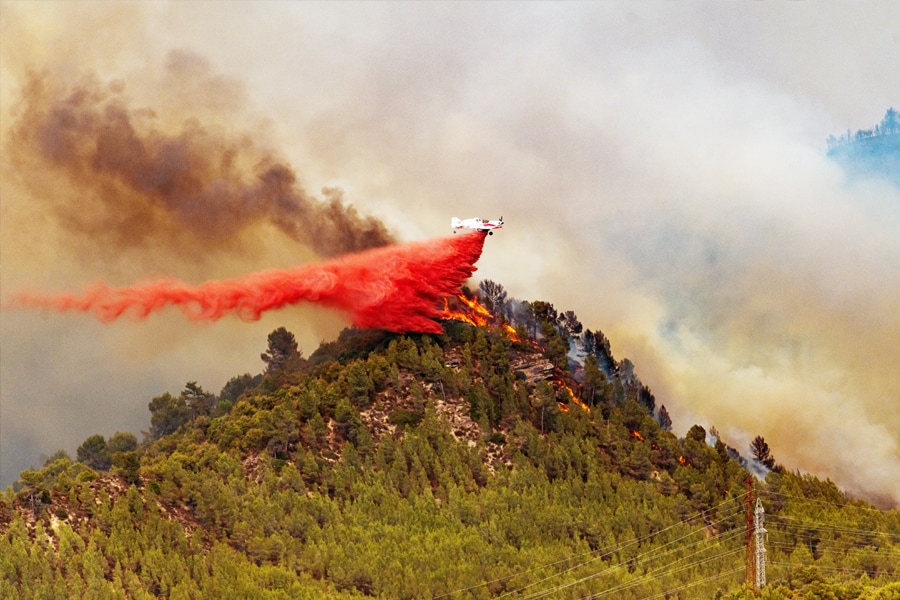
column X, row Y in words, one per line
column 398, row 288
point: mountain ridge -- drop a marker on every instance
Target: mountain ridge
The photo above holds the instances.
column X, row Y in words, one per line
column 478, row 446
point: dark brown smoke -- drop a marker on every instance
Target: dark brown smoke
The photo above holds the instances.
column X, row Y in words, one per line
column 133, row 179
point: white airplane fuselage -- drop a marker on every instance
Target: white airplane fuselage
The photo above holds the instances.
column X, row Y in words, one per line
column 477, row 224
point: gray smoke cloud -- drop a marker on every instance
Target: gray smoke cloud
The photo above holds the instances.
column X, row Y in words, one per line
column 660, row 167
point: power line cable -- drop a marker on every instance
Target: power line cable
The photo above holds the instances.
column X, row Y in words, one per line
column 849, row 503
column 821, row 548
column 654, row 551
column 604, row 552
column 655, row 575
column 640, row 559
column 823, row 568
column 792, row 522
column 669, row 592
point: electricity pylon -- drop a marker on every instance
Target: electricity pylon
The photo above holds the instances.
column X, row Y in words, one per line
column 759, row 517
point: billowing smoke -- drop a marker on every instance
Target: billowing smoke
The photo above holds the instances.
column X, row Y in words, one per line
column 664, row 165
column 188, row 186
column 397, row 288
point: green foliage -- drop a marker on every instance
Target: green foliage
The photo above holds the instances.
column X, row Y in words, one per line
column 352, row 343
column 235, row 388
column 198, row 401
column 421, row 467
column 94, row 453
column 557, row 345
column 122, row 441
column 282, row 349
column 167, row 414
column 127, row 465
column 405, row 417
column 359, row 386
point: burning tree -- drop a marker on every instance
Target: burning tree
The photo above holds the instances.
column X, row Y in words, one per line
column 524, row 315
column 494, row 297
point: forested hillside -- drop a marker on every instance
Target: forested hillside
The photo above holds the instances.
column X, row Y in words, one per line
column 870, row 152
column 510, row 457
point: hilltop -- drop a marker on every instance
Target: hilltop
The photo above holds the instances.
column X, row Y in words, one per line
column 869, row 152
column 511, row 455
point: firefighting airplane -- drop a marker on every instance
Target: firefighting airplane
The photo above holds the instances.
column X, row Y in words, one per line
column 476, row 223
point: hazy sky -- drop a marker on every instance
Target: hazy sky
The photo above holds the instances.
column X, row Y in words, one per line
column 660, row 168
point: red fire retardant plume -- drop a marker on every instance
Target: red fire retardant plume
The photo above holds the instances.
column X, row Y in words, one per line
column 398, row 288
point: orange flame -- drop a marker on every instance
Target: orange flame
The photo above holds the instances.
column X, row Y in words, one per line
column 465, row 317
column 475, row 306
column 475, row 314
column 637, row 434
column 572, row 395
column 511, row 332
column 683, row 461
column 479, row 316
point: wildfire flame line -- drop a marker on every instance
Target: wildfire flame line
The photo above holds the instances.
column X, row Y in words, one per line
column 572, row 395
column 479, row 316
column 475, row 313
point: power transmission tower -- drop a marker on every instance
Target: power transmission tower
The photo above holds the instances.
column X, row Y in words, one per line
column 750, row 552
column 759, row 516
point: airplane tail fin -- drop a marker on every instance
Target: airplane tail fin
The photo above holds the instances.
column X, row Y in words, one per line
column 455, row 222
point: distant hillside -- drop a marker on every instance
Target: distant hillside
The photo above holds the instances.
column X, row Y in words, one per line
column 870, row 152
column 510, row 456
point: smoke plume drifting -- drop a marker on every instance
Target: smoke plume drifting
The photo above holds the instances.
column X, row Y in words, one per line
column 141, row 180
column 396, row 288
